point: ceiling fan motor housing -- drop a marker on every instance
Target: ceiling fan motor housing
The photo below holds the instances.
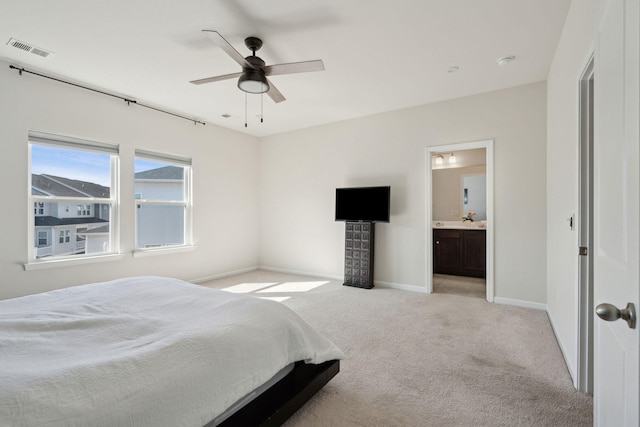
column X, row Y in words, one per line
column 256, row 61
column 253, row 80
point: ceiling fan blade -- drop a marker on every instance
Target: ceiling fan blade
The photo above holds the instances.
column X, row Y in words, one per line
column 215, row 79
column 229, row 50
column 294, row 67
column 274, row 93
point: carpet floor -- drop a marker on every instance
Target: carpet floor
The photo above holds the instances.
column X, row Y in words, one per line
column 426, row 360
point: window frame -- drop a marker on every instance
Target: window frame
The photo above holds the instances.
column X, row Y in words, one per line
column 187, row 203
column 68, row 142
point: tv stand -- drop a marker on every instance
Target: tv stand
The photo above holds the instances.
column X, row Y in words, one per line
column 358, row 254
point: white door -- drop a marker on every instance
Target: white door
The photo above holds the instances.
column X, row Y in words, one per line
column 616, row 218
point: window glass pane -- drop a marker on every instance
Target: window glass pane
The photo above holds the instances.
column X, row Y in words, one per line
column 63, row 224
column 42, row 238
column 156, row 180
column 65, row 172
column 160, row 225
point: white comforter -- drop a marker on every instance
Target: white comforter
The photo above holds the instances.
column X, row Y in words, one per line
column 144, row 351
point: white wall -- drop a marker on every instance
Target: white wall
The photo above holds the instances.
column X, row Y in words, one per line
column 300, row 170
column 291, row 179
column 571, row 57
column 225, row 165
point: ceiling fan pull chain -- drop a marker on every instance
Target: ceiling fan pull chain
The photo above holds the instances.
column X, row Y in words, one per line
column 245, row 109
column 262, row 108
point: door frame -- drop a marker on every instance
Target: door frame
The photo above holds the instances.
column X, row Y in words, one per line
column 584, row 381
column 487, row 144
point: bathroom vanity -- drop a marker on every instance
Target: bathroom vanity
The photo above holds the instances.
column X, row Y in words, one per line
column 459, row 250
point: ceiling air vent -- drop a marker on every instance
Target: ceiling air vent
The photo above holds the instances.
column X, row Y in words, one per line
column 29, row 48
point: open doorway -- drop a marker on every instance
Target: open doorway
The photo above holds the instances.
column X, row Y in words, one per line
column 459, row 218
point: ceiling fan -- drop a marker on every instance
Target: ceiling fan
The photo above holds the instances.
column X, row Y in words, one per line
column 253, row 78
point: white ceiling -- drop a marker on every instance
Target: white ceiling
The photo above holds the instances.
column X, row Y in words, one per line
column 379, row 55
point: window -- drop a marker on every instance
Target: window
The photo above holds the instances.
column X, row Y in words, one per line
column 83, row 210
column 43, row 239
column 163, row 200
column 73, row 186
column 38, row 208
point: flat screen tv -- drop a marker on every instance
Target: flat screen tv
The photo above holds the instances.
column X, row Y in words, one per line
column 363, row 204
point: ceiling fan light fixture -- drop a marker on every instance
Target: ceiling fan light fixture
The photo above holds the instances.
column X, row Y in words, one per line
column 253, row 82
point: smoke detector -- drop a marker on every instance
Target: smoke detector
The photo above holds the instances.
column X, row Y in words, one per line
column 505, row 60
column 29, row 48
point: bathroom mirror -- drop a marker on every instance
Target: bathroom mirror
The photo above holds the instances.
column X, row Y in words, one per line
column 474, row 196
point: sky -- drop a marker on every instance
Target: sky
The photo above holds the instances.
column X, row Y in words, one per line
column 78, row 164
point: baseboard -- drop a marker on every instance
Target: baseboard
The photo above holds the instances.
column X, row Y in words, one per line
column 300, row 273
column 570, row 367
column 221, row 275
column 520, row 303
column 401, row 286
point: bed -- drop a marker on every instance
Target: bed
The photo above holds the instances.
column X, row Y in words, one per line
column 156, row 351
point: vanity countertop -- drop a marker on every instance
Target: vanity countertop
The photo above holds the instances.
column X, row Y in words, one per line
column 464, row 225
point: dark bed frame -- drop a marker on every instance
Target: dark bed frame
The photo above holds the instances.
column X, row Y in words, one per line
column 280, row 401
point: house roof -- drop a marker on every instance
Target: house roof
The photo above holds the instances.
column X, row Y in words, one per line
column 166, row 172
column 51, row 185
column 51, row 221
column 98, row 230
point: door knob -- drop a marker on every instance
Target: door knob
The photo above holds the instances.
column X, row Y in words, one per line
column 611, row 313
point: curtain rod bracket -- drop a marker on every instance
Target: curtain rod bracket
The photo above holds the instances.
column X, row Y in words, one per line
column 20, row 70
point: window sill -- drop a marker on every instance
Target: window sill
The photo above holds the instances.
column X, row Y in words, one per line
column 66, row 262
column 162, row 250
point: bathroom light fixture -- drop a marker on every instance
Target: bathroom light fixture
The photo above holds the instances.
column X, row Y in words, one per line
column 439, row 159
column 452, row 158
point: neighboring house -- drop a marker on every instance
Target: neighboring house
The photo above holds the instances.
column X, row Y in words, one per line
column 67, row 228
column 159, row 223
column 61, row 226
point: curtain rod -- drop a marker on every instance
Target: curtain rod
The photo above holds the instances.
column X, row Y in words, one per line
column 127, row 100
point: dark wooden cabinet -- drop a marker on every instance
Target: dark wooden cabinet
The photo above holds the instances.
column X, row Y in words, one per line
column 358, row 254
column 459, row 252
column 474, row 253
column 446, row 251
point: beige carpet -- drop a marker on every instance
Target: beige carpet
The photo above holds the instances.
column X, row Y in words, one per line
column 428, row 360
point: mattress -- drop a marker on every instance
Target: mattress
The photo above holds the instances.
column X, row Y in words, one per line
column 143, row 351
